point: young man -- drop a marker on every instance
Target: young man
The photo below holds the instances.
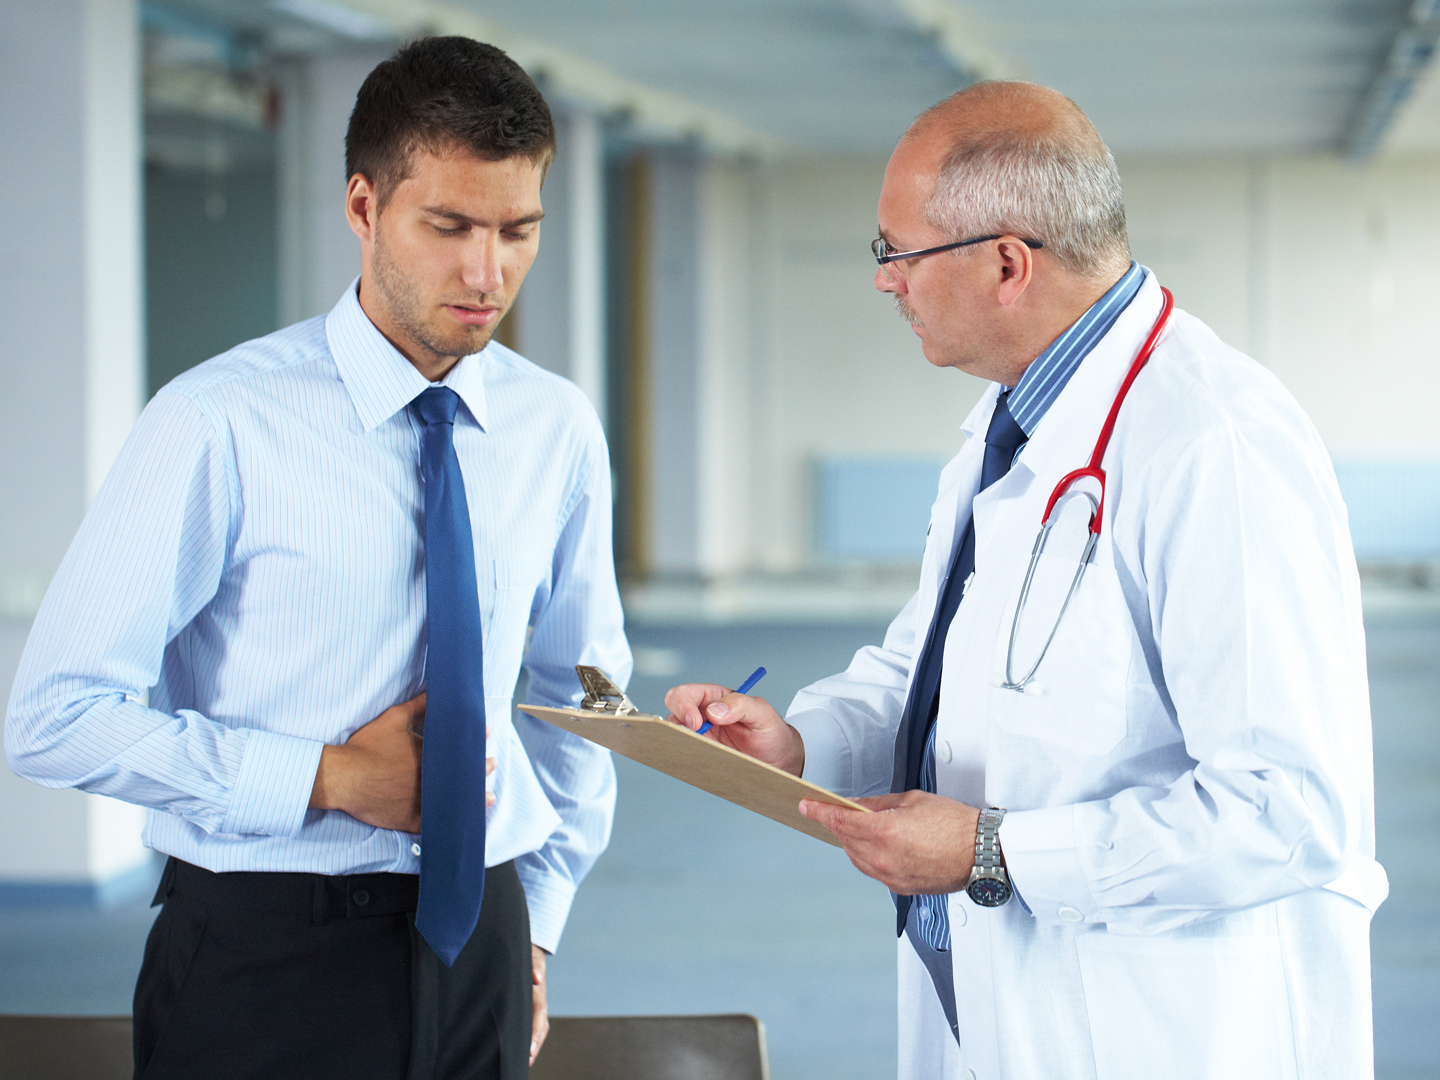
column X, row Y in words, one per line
column 321, row 553
column 1127, row 817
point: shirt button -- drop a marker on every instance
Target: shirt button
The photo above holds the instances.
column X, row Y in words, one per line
column 924, row 914
column 414, row 849
column 943, row 752
column 361, row 897
column 1069, row 914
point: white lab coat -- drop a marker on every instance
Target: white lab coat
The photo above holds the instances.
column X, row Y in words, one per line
column 1191, row 795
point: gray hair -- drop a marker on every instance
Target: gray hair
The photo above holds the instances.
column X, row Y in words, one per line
column 1059, row 186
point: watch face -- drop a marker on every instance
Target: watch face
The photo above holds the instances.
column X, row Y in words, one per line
column 989, row 892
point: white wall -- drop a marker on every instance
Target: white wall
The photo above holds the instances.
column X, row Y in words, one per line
column 838, row 371
column 1322, row 270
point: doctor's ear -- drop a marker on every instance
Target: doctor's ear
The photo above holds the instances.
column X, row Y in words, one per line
column 1017, row 268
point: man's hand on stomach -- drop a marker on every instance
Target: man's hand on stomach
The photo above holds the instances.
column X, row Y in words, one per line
column 375, row 776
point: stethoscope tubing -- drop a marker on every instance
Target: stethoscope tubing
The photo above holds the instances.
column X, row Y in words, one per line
column 1027, row 684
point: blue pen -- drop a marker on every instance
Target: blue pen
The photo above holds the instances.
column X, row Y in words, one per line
column 745, row 688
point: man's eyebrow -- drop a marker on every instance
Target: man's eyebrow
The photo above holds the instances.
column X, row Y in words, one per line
column 456, row 215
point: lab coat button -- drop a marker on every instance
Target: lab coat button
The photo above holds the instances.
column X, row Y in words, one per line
column 1069, row 914
column 969, row 1074
column 414, row 849
column 943, row 752
column 957, row 915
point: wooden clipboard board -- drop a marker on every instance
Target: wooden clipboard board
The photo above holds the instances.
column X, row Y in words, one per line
column 704, row 763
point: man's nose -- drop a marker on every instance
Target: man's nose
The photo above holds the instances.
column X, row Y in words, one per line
column 483, row 270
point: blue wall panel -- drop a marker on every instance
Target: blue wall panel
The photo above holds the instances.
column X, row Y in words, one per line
column 874, row 509
column 1394, row 507
column 877, row 509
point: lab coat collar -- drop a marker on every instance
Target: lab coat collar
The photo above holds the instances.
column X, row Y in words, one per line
column 378, row 378
column 1065, row 436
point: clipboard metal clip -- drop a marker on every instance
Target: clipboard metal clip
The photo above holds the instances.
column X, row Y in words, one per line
column 601, row 693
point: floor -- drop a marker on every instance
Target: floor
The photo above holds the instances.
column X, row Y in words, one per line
column 700, row 907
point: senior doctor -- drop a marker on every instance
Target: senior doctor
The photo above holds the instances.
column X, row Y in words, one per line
column 1150, row 854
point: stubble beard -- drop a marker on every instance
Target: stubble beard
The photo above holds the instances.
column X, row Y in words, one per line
column 408, row 308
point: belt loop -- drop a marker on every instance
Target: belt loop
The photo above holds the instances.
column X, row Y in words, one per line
column 167, row 882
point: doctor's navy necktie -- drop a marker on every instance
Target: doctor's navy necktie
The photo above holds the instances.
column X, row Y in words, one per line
column 915, row 741
column 452, row 767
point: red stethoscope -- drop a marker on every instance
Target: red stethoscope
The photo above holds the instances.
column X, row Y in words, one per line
column 1027, row 684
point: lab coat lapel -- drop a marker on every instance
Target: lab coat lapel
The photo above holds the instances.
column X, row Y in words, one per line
column 951, row 510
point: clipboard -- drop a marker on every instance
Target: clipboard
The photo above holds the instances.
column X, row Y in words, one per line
column 608, row 718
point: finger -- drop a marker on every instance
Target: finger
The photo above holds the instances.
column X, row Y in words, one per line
column 685, row 702
column 489, row 798
column 489, row 765
column 883, row 802
column 838, row 819
column 735, row 708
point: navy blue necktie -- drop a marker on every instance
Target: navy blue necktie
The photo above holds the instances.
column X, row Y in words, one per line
column 1002, row 439
column 452, row 766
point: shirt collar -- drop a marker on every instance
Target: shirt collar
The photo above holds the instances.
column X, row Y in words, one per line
column 1050, row 372
column 377, row 376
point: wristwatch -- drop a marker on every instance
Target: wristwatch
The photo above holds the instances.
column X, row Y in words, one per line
column 989, row 883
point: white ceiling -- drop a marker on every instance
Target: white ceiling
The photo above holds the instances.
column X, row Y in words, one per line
column 845, row 76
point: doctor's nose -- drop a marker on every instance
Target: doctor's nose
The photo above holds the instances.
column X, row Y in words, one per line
column 888, row 279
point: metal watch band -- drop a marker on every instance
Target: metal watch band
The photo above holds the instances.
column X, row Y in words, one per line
column 987, row 840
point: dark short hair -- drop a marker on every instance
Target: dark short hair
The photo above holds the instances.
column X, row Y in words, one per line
column 439, row 94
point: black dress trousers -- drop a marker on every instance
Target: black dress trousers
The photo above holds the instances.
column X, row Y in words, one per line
column 275, row 975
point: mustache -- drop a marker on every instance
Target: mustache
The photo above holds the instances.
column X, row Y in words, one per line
column 906, row 312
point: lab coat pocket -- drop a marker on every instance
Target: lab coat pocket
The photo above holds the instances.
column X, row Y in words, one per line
column 1077, row 697
column 1186, row 1008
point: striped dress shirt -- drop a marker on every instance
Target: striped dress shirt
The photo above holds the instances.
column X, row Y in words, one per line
column 1028, row 402
column 254, row 562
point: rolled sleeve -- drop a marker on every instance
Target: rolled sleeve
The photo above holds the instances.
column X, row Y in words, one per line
column 272, row 790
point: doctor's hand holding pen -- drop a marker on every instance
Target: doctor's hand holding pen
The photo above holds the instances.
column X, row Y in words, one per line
column 914, row 842
column 747, row 724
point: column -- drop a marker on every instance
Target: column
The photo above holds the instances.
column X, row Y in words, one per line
column 72, row 372
column 319, row 255
column 701, row 309
column 561, row 311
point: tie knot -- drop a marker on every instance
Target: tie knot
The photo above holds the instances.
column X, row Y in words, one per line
column 437, row 405
column 1004, row 432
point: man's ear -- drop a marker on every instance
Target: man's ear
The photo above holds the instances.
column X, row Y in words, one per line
column 362, row 207
column 1017, row 268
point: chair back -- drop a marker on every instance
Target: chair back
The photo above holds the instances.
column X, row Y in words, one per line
column 66, row 1048
column 730, row 1047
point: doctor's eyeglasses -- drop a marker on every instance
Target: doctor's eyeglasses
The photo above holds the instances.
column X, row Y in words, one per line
column 884, row 253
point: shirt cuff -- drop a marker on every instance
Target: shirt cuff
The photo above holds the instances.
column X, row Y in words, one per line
column 829, row 762
column 1043, row 863
column 272, row 792
column 548, row 897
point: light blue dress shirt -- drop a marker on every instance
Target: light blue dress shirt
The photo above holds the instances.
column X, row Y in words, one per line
column 254, row 561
